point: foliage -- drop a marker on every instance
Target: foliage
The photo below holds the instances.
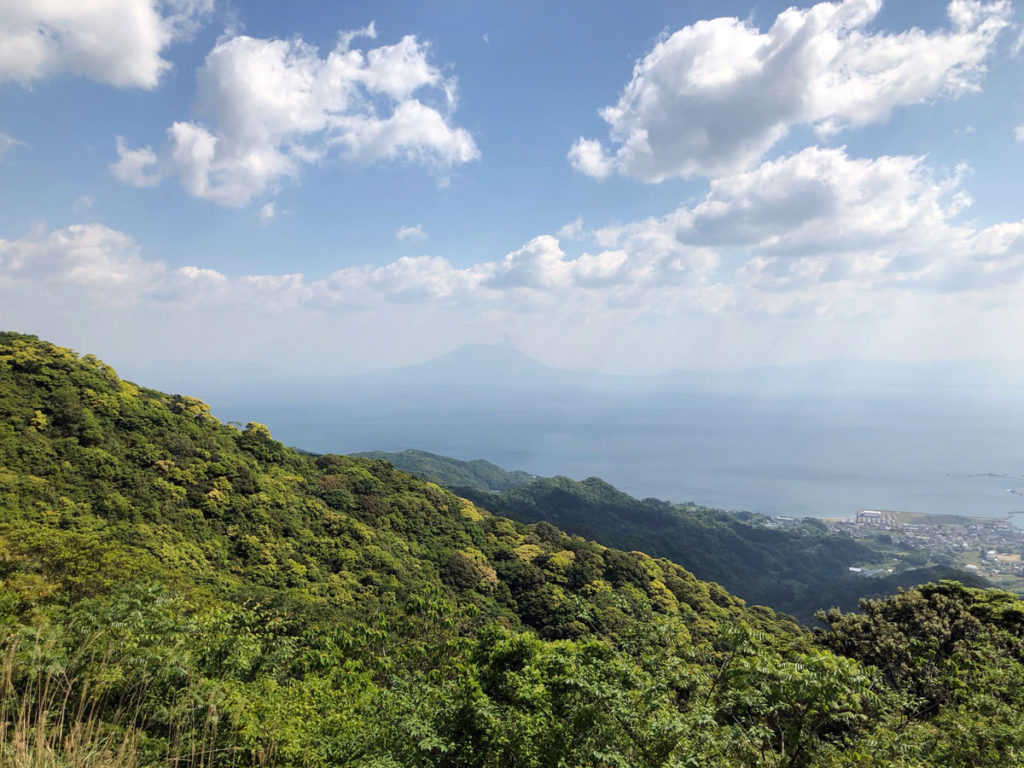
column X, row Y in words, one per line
column 477, row 474
column 178, row 591
column 794, row 570
column 789, row 570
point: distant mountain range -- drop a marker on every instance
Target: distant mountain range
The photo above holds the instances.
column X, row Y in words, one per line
column 474, row 364
column 507, row 367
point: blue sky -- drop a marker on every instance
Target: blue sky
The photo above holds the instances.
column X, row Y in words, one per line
column 696, row 184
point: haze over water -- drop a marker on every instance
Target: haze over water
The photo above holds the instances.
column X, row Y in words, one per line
column 753, row 443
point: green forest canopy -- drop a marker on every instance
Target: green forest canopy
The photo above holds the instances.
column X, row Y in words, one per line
column 174, row 590
column 796, row 570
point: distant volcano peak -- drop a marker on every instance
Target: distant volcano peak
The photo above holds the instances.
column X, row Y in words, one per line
column 488, row 354
column 476, row 362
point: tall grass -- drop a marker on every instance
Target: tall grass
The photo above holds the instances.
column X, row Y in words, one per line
column 47, row 721
column 52, row 717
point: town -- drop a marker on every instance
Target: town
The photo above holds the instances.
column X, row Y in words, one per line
column 990, row 547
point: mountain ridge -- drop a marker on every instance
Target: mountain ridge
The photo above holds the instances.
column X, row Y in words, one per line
column 175, row 590
column 505, row 358
column 478, row 474
column 795, row 572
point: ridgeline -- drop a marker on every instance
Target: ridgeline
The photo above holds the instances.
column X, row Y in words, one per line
column 796, row 571
column 177, row 591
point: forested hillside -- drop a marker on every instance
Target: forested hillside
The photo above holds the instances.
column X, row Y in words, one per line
column 797, row 571
column 176, row 591
column 478, row 474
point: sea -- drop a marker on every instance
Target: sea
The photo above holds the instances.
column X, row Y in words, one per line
column 802, row 455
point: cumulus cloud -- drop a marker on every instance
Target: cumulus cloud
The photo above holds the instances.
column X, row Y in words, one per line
column 823, row 201
column 539, row 264
column 138, row 167
column 119, row 42
column 715, row 96
column 109, row 265
column 102, row 266
column 818, row 234
column 821, row 232
column 269, row 107
column 85, row 255
column 411, row 233
column 588, row 156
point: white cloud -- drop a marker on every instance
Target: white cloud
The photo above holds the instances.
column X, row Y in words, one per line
column 1018, row 134
column 268, row 212
column 109, row 264
column 84, row 255
column 540, row 264
column 138, row 167
column 411, row 233
column 269, row 107
column 413, row 132
column 588, row 156
column 7, row 143
column 119, row 42
column 814, row 238
column 1017, row 44
column 571, row 230
column 713, row 97
column 90, row 266
column 823, row 201
column 821, row 233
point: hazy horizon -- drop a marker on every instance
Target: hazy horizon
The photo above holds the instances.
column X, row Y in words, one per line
column 731, row 441
column 223, row 370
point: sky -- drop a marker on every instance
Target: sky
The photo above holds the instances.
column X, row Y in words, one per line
column 316, row 188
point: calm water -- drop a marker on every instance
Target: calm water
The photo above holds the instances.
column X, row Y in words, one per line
column 797, row 456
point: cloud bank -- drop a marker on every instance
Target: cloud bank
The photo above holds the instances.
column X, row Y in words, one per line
column 817, row 232
column 715, row 96
column 815, row 245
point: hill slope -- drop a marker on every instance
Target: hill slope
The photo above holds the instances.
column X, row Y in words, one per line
column 795, row 571
column 177, row 591
column 156, row 471
column 478, row 474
